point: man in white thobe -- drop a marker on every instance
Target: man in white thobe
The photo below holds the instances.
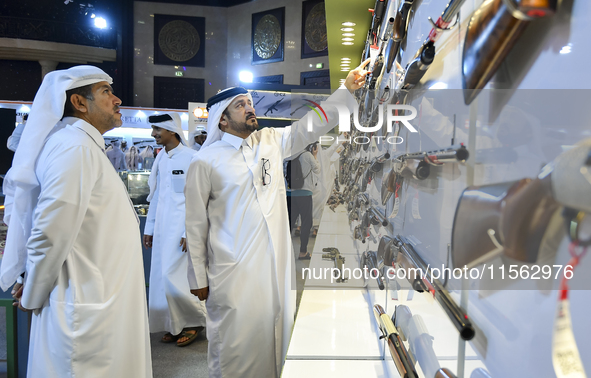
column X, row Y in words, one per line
column 198, row 137
column 84, row 273
column 241, row 251
column 172, row 306
column 117, row 157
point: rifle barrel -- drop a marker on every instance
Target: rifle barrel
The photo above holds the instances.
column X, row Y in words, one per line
column 455, row 313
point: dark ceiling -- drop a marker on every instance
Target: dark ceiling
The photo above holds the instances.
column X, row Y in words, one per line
column 211, row 3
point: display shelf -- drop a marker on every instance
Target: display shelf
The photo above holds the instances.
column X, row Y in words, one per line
column 339, row 368
column 336, row 324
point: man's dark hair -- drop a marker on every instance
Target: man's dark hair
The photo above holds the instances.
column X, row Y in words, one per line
column 85, row 91
column 177, row 137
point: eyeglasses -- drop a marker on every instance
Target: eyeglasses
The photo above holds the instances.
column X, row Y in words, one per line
column 266, row 166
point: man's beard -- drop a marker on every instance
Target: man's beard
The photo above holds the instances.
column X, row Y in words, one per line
column 242, row 127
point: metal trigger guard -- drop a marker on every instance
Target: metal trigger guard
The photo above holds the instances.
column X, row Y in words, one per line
column 449, row 28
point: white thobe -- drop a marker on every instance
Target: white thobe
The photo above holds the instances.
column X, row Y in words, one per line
column 133, row 159
column 85, row 275
column 242, row 250
column 117, row 158
column 172, row 306
column 196, row 146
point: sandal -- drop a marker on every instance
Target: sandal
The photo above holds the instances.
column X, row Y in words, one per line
column 169, row 338
column 307, row 256
column 191, row 337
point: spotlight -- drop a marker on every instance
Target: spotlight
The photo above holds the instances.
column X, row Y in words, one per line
column 348, row 23
column 100, row 22
column 245, row 76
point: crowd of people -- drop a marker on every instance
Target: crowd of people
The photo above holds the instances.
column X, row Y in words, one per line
column 218, row 228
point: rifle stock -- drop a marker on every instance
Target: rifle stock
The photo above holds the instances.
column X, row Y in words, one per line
column 492, row 32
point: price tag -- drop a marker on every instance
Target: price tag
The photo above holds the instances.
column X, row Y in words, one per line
column 415, row 207
column 565, row 354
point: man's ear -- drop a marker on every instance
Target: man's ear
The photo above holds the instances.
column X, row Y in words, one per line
column 79, row 103
column 223, row 122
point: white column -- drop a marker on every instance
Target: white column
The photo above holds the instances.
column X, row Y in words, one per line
column 47, row 66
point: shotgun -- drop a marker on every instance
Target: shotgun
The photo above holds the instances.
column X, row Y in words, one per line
column 492, row 32
column 456, row 314
column 339, row 261
column 370, row 262
column 425, row 56
column 433, row 158
column 398, row 352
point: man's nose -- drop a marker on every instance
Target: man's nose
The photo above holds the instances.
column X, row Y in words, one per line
column 250, row 108
column 116, row 100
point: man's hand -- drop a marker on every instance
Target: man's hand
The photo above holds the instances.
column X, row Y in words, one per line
column 356, row 78
column 17, row 293
column 148, row 241
column 201, row 293
column 184, row 244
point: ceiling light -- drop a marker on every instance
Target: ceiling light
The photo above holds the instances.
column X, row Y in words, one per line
column 348, row 23
column 348, row 39
column 345, row 69
column 348, row 59
column 347, row 43
column 347, row 29
column 245, row 76
column 348, row 34
column 100, row 22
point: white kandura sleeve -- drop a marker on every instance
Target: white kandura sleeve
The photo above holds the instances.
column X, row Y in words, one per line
column 151, row 218
column 67, row 180
column 296, row 137
column 197, row 190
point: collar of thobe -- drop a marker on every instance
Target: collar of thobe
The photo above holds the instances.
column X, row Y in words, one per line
column 236, row 141
column 174, row 151
column 91, row 131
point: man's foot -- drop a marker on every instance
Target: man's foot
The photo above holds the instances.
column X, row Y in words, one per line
column 188, row 336
column 169, row 338
column 304, row 256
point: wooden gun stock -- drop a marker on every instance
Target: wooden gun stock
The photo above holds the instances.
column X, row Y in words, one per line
column 492, row 32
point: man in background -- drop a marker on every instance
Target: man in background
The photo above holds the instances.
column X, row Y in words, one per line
column 117, row 157
column 172, row 306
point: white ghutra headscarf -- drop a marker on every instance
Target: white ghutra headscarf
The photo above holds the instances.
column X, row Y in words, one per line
column 20, row 181
column 216, row 106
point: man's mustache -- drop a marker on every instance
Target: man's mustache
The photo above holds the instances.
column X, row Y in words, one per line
column 251, row 115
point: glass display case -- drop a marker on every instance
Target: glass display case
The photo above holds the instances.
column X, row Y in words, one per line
column 138, row 189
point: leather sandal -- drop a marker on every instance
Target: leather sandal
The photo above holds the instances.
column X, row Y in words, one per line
column 169, row 338
column 191, row 337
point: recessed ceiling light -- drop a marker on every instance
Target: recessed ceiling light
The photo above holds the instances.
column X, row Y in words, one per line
column 345, row 69
column 348, row 23
column 347, row 29
column 347, row 43
column 348, row 34
column 348, row 39
column 349, row 59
